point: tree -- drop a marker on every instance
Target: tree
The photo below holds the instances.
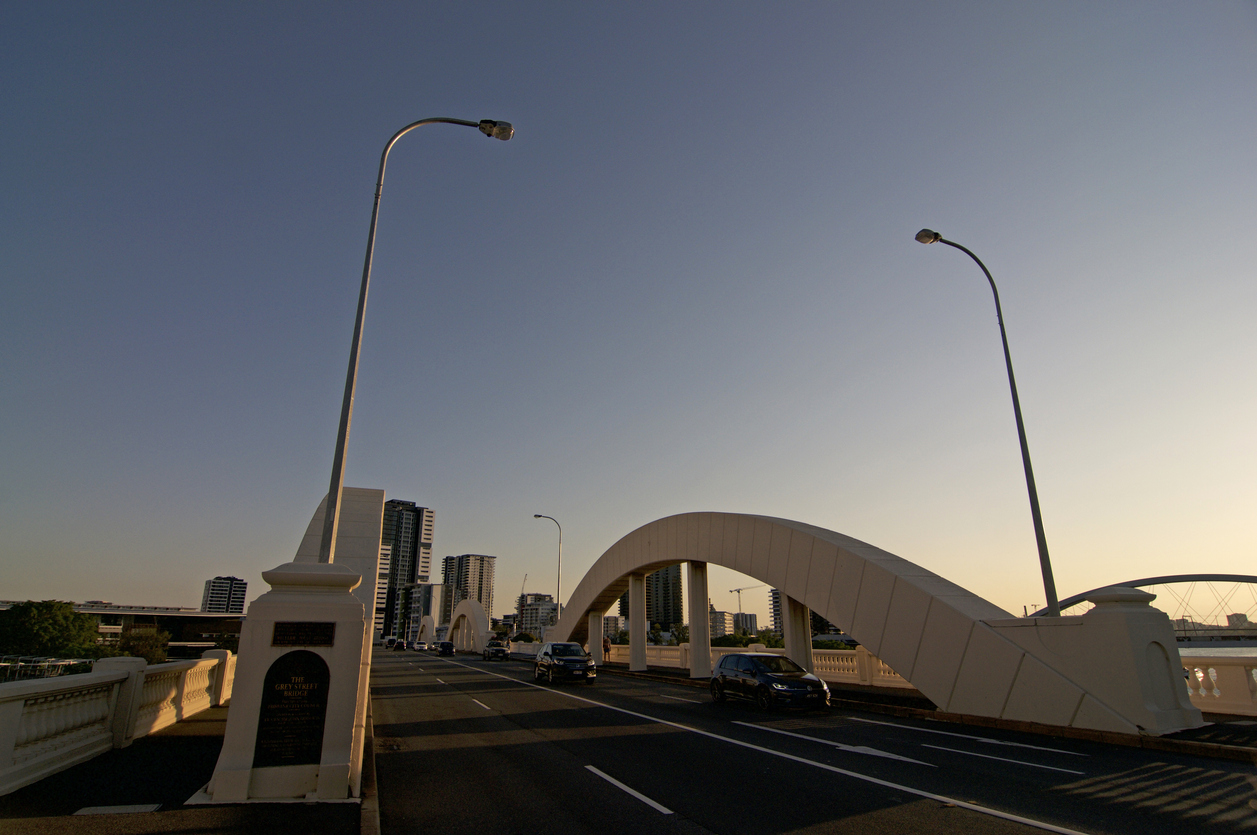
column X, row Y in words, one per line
column 523, row 638
column 656, row 634
column 681, row 632
column 769, row 639
column 621, row 637
column 49, row 627
column 144, row 643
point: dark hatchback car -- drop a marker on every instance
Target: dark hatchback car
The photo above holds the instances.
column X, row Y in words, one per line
column 445, row 648
column 558, row 661
column 768, row 680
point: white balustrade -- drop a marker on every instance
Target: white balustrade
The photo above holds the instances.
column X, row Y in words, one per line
column 48, row 725
column 1222, row 684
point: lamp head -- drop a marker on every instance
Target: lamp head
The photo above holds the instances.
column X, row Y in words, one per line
column 498, row 130
column 928, row 236
column 536, row 516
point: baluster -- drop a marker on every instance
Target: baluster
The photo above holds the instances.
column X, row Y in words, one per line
column 1213, row 678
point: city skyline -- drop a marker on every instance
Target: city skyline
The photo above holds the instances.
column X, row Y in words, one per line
column 688, row 283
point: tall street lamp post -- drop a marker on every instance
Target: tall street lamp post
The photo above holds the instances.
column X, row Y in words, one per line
column 331, row 518
column 558, row 607
column 928, row 236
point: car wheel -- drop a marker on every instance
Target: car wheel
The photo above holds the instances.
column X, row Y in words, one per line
column 717, row 692
column 764, row 698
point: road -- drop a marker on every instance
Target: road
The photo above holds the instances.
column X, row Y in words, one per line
column 467, row 746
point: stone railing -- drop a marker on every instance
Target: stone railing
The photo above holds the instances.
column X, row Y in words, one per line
column 48, row 725
column 1222, row 684
column 840, row 666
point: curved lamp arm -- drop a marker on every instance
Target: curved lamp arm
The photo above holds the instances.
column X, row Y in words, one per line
column 331, row 517
column 559, row 585
column 929, row 236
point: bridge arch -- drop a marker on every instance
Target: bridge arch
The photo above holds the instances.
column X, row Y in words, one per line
column 469, row 626
column 962, row 652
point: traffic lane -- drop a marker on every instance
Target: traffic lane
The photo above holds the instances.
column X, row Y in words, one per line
column 445, row 764
column 1072, row 782
column 1121, row 790
column 746, row 789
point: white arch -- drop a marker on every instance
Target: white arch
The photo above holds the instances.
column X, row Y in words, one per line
column 469, row 626
column 427, row 630
column 964, row 653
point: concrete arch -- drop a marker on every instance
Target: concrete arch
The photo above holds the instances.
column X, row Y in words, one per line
column 962, row 652
column 427, row 630
column 469, row 626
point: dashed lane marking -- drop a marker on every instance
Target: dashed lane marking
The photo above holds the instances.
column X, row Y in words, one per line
column 643, row 798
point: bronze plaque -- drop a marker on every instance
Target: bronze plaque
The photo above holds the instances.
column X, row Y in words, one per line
column 304, row 633
column 294, row 707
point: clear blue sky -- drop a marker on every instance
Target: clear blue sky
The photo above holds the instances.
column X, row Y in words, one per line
column 689, row 282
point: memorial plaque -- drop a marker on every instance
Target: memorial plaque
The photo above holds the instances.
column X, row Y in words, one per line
column 303, row 633
column 294, row 707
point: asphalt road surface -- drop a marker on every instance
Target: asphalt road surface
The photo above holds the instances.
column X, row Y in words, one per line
column 467, row 746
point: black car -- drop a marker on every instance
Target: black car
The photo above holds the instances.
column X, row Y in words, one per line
column 445, row 648
column 768, row 680
column 496, row 649
column 558, row 661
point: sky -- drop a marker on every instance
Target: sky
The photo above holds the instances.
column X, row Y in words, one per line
column 689, row 283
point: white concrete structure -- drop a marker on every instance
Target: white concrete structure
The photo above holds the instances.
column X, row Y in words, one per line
column 1115, row 668
column 469, row 626
column 321, row 615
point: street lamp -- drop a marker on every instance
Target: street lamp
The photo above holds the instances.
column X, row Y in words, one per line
column 331, row 518
column 558, row 607
column 929, row 236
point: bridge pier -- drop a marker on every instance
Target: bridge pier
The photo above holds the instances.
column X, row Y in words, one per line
column 797, row 623
column 700, row 623
column 595, row 637
column 637, row 621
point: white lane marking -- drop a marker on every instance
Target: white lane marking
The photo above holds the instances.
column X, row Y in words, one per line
column 854, row 749
column 482, row 704
column 440, row 682
column 679, row 699
column 968, row 736
column 643, row 798
column 963, row 804
column 1001, row 759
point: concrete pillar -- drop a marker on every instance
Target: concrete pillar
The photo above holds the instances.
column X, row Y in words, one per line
column 129, row 695
column 595, row 638
column 637, row 622
column 700, row 624
column 798, row 628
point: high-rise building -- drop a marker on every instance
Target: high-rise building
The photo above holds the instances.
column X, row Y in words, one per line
column 721, row 623
column 536, row 613
column 745, row 622
column 468, row 577
column 613, row 625
column 224, row 594
column 664, row 606
column 774, row 602
column 407, row 533
column 420, row 600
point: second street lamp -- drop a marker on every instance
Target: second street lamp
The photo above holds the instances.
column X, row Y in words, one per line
column 929, row 236
column 558, row 607
column 331, row 517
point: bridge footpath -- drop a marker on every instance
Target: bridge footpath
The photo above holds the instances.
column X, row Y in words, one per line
column 144, row 788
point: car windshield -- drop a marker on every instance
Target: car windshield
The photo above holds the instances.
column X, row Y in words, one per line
column 778, row 664
column 567, row 651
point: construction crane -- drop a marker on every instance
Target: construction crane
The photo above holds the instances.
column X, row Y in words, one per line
column 738, row 592
column 519, row 603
